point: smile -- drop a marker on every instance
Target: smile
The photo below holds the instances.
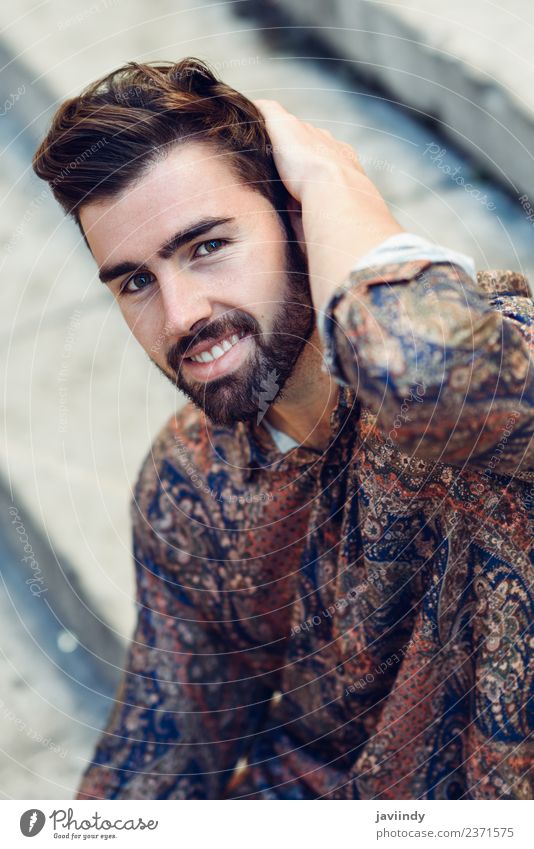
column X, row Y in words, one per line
column 223, row 356
column 217, row 350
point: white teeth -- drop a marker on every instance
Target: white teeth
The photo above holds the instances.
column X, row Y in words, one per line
column 217, row 350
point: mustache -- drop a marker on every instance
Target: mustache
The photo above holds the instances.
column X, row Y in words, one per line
column 218, row 329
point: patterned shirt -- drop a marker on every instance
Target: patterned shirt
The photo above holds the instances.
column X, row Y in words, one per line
column 357, row 622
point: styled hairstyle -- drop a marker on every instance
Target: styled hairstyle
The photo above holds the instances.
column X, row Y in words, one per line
column 106, row 138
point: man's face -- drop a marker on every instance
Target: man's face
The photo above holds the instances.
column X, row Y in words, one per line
column 223, row 310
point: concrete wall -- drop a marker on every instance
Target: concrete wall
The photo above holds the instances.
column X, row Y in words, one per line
column 467, row 64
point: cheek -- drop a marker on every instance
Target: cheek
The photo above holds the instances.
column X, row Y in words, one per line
column 261, row 283
column 145, row 327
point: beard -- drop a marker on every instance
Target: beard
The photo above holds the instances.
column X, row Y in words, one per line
column 247, row 392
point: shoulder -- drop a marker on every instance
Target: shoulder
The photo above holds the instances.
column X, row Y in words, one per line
column 511, row 294
column 495, row 282
column 177, row 488
column 168, row 509
column 185, row 431
column 164, row 479
column 181, row 429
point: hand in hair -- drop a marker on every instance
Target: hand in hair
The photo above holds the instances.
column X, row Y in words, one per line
column 342, row 213
column 304, row 153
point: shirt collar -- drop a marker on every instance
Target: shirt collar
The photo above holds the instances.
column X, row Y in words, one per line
column 260, row 451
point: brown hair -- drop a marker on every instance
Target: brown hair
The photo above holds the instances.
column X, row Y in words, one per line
column 104, row 139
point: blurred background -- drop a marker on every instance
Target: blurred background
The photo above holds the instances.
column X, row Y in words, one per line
column 437, row 99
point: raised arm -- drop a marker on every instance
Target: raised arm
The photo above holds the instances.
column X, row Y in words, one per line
column 448, row 372
column 448, row 375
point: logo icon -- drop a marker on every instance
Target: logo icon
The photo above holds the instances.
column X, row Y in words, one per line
column 270, row 388
column 32, row 822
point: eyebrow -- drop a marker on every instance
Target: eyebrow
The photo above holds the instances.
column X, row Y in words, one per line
column 182, row 237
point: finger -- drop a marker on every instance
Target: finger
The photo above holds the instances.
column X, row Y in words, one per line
column 267, row 103
column 272, row 108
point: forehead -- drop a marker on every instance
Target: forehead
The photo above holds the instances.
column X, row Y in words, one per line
column 193, row 180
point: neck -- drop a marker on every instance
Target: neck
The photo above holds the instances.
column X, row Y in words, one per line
column 310, row 396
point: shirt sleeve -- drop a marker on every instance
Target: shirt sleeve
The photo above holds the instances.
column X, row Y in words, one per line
column 404, row 247
column 187, row 707
column 448, row 376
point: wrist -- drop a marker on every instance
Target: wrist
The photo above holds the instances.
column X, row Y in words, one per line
column 344, row 217
column 339, row 200
column 330, row 178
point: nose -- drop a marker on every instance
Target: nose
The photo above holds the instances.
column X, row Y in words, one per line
column 184, row 304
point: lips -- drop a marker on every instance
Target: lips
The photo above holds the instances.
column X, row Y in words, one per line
column 226, row 359
column 207, row 352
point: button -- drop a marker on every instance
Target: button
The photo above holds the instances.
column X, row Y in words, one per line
column 237, row 776
column 276, row 698
column 241, row 766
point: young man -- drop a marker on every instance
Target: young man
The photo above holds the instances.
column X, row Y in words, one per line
column 333, row 541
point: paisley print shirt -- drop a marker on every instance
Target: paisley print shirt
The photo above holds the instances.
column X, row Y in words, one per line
column 353, row 623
